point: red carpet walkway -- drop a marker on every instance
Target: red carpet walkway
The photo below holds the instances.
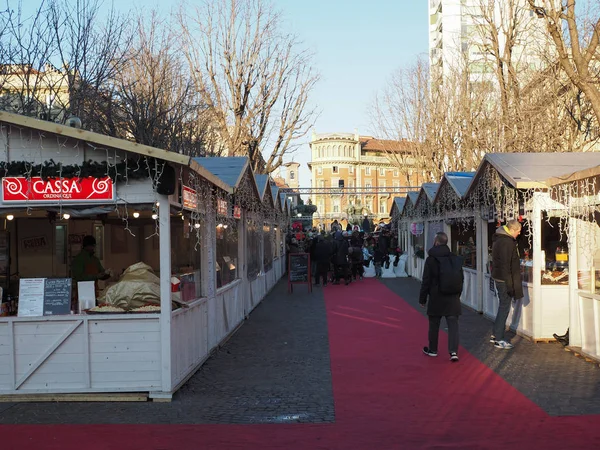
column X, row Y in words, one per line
column 387, row 396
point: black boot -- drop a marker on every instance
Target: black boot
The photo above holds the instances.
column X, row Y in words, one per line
column 563, row 340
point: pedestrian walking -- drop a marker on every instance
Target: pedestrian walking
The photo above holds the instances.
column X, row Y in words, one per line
column 322, row 257
column 506, row 272
column 440, row 291
column 340, row 258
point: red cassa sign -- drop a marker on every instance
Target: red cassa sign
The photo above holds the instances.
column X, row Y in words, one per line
column 35, row 189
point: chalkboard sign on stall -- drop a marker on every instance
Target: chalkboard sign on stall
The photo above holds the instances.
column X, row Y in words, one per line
column 299, row 270
column 57, row 296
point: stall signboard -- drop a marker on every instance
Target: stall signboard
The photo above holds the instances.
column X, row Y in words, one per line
column 222, row 207
column 57, row 296
column 299, row 270
column 189, row 198
column 237, row 212
column 37, row 189
column 417, row 228
column 44, row 297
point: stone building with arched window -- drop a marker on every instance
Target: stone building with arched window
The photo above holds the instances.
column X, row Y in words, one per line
column 355, row 161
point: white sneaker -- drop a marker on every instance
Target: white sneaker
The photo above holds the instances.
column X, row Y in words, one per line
column 493, row 339
column 503, row 345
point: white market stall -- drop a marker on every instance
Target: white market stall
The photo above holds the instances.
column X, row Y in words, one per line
column 413, row 236
column 462, row 230
column 141, row 204
column 426, row 223
column 579, row 192
column 513, row 186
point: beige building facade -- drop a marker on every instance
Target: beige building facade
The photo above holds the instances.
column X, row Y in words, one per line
column 362, row 166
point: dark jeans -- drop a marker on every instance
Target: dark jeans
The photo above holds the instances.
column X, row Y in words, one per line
column 357, row 270
column 322, row 269
column 342, row 271
column 504, row 301
column 434, row 329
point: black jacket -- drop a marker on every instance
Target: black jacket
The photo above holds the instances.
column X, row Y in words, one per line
column 340, row 256
column 322, row 251
column 439, row 304
column 506, row 264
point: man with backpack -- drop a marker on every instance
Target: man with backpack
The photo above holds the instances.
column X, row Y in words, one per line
column 442, row 283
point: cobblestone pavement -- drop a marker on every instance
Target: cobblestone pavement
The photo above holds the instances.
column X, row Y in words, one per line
column 275, row 369
column 555, row 379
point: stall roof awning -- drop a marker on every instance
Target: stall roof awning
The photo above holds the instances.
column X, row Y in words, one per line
column 230, row 170
column 575, row 176
column 107, row 141
column 398, row 204
column 430, row 190
column 532, row 170
column 261, row 183
column 459, row 181
column 411, row 197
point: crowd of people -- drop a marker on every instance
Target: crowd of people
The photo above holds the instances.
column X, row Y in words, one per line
column 344, row 254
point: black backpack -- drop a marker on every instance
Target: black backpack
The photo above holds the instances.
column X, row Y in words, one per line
column 451, row 275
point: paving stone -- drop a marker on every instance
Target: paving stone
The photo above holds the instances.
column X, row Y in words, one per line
column 275, row 369
column 557, row 381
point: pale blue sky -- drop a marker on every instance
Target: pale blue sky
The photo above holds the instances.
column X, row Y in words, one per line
column 357, row 45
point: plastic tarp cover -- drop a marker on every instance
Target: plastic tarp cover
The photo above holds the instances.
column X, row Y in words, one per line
column 138, row 286
column 389, row 271
column 369, row 270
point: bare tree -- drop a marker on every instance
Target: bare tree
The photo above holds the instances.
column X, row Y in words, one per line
column 254, row 78
column 154, row 99
column 401, row 113
column 576, row 45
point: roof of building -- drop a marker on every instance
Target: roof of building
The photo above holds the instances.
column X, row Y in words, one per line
column 411, row 198
column 108, row 141
column 533, row 170
column 459, row 181
column 370, row 143
column 575, row 176
column 398, row 204
column 262, row 180
column 275, row 193
column 430, row 190
column 230, row 170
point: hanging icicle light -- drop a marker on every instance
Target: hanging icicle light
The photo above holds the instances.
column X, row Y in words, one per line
column 136, row 215
column 66, row 216
column 154, row 216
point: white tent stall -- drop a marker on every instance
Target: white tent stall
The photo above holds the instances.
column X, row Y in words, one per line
column 142, row 204
column 580, row 193
column 422, row 216
column 512, row 185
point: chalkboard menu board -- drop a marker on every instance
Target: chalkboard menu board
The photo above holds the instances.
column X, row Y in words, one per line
column 57, row 296
column 299, row 267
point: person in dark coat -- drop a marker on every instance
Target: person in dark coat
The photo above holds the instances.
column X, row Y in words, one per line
column 322, row 257
column 439, row 305
column 335, row 226
column 506, row 272
column 366, row 225
column 340, row 259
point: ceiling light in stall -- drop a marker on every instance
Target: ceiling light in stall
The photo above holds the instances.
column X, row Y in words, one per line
column 157, row 204
column 10, row 217
column 136, row 215
column 66, row 216
column 154, row 216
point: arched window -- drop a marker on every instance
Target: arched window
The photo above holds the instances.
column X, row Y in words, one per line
column 329, row 151
column 292, row 175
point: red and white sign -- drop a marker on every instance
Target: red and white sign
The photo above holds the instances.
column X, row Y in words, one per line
column 189, row 197
column 222, row 207
column 237, row 212
column 35, row 189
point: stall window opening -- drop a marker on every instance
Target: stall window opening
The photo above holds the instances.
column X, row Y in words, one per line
column 268, row 248
column 253, row 238
column 227, row 253
column 186, row 257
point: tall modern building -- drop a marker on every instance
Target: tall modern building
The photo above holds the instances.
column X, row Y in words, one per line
column 456, row 36
column 354, row 161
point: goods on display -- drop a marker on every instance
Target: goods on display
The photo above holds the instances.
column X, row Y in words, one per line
column 137, row 287
column 146, row 309
column 106, row 309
